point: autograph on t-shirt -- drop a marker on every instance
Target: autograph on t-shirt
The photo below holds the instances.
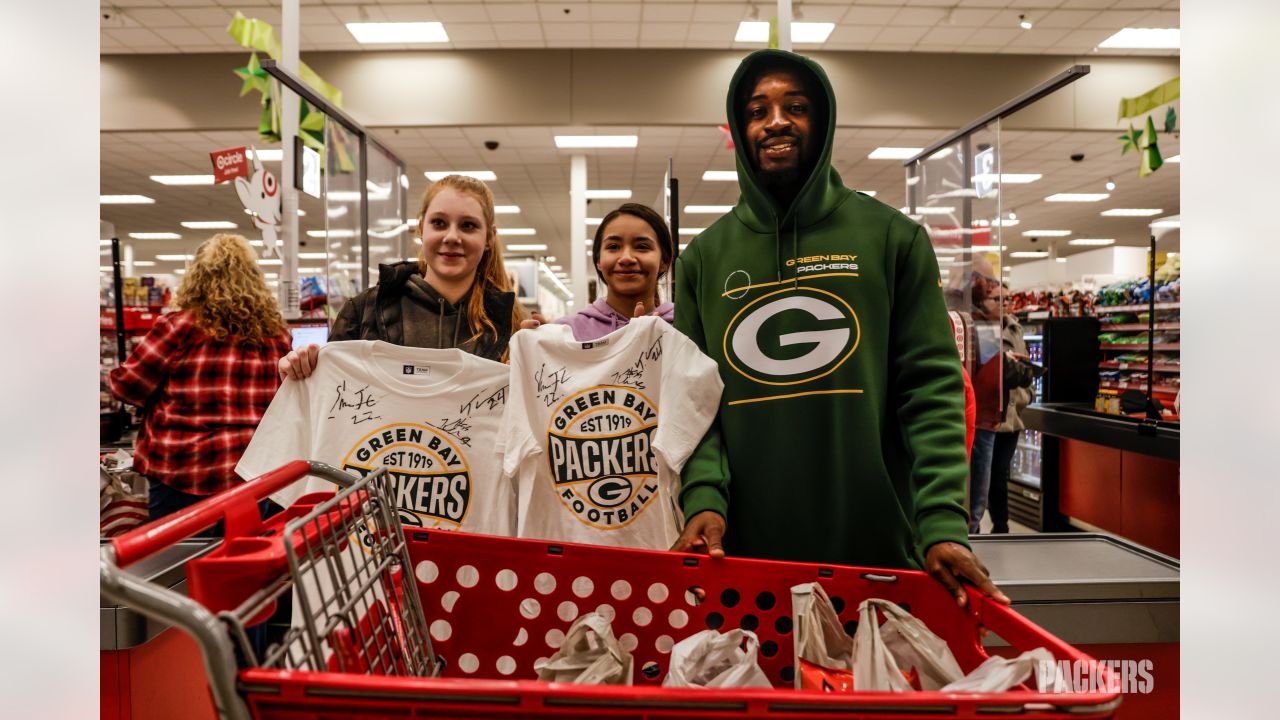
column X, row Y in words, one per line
column 359, row 402
column 455, row 427
column 549, row 384
column 483, row 401
column 633, row 376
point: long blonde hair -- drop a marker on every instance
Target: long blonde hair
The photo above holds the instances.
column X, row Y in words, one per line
column 491, row 272
column 226, row 293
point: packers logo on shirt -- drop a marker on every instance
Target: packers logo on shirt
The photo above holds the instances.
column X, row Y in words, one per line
column 429, row 473
column 791, row 336
column 600, row 454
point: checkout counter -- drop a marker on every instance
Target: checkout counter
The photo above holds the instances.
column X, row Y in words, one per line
column 1108, row 472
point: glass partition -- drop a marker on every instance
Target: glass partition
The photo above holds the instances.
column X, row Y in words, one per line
column 342, row 215
column 389, row 236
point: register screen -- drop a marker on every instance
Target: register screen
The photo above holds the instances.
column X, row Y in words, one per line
column 304, row 335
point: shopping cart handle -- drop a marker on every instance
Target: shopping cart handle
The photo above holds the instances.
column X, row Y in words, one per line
column 238, row 505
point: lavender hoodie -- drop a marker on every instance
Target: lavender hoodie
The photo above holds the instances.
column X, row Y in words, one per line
column 598, row 319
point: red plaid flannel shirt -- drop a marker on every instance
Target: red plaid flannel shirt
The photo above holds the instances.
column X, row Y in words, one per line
column 202, row 400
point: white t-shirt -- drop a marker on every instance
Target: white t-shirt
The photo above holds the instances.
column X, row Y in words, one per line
column 432, row 415
column 583, row 438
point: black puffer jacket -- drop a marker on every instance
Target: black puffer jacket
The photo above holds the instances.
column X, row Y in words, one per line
column 403, row 309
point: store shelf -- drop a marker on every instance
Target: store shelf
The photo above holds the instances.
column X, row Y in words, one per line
column 1107, row 385
column 1140, row 327
column 1028, row 446
column 1107, row 309
column 1158, row 367
column 1159, row 347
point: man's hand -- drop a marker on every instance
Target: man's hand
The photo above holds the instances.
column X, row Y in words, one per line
column 950, row 562
column 703, row 533
column 299, row 364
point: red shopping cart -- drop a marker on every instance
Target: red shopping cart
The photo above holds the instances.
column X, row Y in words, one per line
column 361, row 645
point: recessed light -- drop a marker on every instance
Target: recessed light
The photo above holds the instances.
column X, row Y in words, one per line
column 608, row 194
column 483, row 175
column 401, row 33
column 1024, row 23
column 155, row 236
column 1045, row 233
column 1144, row 39
column 175, row 258
column 692, row 231
column 596, row 141
column 894, row 153
column 497, row 210
column 1007, row 178
column 1111, row 185
column 517, row 231
column 208, row 224
column 720, row 175
column 1131, row 212
column 125, row 200
column 1092, row 241
column 1077, row 197
column 1029, row 253
column 707, row 209
column 525, row 248
column 183, row 179
column 751, row 31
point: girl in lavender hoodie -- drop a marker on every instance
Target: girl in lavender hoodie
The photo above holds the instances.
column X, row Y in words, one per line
column 632, row 250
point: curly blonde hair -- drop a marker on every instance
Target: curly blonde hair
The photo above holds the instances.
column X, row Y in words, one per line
column 226, row 293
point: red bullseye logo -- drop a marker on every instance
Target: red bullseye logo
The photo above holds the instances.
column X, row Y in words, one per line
column 269, row 184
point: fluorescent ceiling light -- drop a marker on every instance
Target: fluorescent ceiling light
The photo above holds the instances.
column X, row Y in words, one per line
column 1093, row 241
column 271, row 276
column 894, row 153
column 155, row 236
column 341, row 196
column 683, row 246
column 1045, row 233
column 183, row 179
column 557, row 268
column 268, row 155
column 104, row 243
column 144, row 263
column 692, row 231
column 1174, row 159
column 1007, row 178
column 535, row 247
column 312, row 256
column 1144, row 39
column 1131, row 212
column 707, row 209
column 125, row 200
column 1061, row 259
column 401, row 33
column 1029, row 253
column 331, row 233
column 180, row 271
column 310, row 271
column 721, row 175
column 939, row 210
column 868, row 193
column 270, row 261
column 596, row 141
column 517, row 231
column 175, row 258
column 497, row 210
column 208, row 224
column 484, row 175
column 550, row 258
column 1167, row 224
column 1077, row 197
column 752, row 31
column 594, row 221
column 608, row 194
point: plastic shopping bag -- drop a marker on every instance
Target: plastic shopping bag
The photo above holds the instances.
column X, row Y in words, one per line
column 998, row 674
column 710, row 659
column 122, row 496
column 590, row 655
column 887, row 657
column 823, row 650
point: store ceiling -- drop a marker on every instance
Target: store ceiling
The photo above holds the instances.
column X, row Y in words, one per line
column 978, row 26
column 533, row 174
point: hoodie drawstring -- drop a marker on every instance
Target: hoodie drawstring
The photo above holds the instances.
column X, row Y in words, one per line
column 777, row 242
column 795, row 248
column 457, row 320
column 440, row 327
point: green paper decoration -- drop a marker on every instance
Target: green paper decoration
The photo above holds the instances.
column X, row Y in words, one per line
column 1151, row 160
column 1132, row 140
column 1151, row 99
column 1170, row 120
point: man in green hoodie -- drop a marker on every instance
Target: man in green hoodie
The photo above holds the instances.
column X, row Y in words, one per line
column 841, row 426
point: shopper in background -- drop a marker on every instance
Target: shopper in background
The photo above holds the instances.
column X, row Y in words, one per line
column 984, row 293
column 204, row 376
column 841, row 428
column 632, row 251
column 1017, row 395
column 455, row 295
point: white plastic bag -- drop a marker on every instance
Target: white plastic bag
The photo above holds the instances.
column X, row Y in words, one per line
column 709, row 659
column 590, row 655
column 998, row 674
column 823, row 650
column 882, row 654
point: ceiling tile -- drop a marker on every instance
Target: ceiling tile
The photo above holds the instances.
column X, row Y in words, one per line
column 577, row 12
column 610, row 32
column 182, row 37
column 915, row 16
column 856, row 34
column 137, row 38
column 872, row 15
column 471, row 32
column 156, row 17
column 663, row 31
column 1162, row 19
column 1068, row 19
column 944, row 35
column 616, row 12
column 994, row 36
column 667, row 12
column 415, row 13
column 1087, row 39
column 727, row 12
column 567, row 32
column 202, row 16
column 900, row 36
column 460, row 12
column 512, row 12
column 1114, row 19
column 518, row 32
column 972, row 17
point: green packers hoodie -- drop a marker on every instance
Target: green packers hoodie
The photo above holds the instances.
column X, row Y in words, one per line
column 840, row 436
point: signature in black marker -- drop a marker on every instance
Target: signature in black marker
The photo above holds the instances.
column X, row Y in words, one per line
column 359, row 401
column 548, row 384
column 633, row 376
column 457, row 428
column 480, row 401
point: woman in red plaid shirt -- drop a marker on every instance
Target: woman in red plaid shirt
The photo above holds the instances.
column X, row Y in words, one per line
column 204, row 376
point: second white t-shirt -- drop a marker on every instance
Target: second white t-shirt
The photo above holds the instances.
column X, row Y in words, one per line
column 597, row 432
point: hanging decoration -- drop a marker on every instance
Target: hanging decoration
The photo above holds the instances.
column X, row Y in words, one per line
column 1145, row 141
column 260, row 195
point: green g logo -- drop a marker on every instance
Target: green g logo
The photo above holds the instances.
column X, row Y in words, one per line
column 791, row 336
